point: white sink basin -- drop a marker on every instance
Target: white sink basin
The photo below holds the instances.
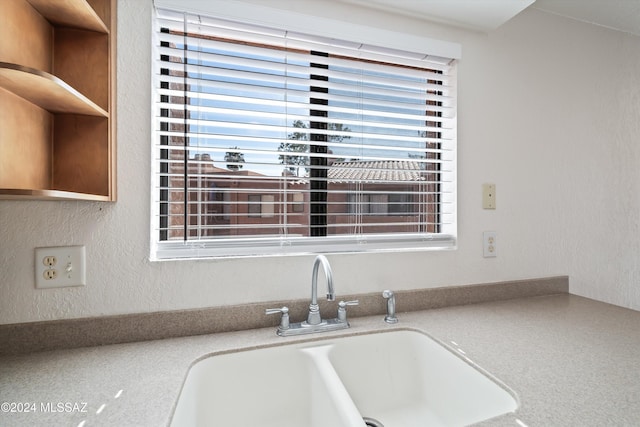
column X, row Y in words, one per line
column 405, row 379
column 399, row 378
column 272, row 387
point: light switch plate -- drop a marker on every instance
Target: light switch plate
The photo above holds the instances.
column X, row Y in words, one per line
column 60, row 266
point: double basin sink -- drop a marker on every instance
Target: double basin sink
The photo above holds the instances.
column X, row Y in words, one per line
column 401, row 378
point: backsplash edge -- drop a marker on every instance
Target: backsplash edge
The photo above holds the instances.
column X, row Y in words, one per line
column 24, row 338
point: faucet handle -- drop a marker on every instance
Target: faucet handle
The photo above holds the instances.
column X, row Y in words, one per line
column 284, row 321
column 342, row 309
column 283, row 310
column 346, row 303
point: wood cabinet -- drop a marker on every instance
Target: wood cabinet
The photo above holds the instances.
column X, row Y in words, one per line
column 57, row 99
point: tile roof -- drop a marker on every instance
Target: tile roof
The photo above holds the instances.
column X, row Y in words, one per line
column 373, row 171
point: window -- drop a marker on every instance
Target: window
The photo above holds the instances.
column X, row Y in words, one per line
column 270, row 141
column 382, row 204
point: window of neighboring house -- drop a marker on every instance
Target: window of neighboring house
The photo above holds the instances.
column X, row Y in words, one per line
column 297, row 204
column 255, row 205
column 261, row 205
column 270, row 141
column 380, row 204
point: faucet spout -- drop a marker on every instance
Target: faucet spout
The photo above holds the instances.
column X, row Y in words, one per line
column 314, row 322
column 314, row 310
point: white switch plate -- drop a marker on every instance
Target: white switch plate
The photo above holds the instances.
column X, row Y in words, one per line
column 60, row 266
column 488, row 196
column 489, row 245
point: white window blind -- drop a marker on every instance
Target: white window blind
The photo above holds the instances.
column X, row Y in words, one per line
column 271, row 141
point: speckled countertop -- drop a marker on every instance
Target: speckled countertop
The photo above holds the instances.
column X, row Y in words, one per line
column 570, row 360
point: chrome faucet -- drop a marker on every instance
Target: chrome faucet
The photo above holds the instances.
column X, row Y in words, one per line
column 391, row 307
column 314, row 310
column 315, row 322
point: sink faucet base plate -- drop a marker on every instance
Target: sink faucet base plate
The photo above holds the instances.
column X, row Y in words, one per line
column 303, row 328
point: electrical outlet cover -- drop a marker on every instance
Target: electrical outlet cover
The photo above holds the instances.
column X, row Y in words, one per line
column 60, row 266
column 489, row 246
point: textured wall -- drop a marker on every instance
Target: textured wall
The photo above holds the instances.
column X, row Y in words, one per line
column 548, row 110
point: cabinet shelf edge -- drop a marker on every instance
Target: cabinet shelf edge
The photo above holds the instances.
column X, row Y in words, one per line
column 25, row 194
column 76, row 14
column 46, row 91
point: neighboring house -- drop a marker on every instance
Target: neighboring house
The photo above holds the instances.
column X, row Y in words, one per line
column 380, row 196
column 363, row 197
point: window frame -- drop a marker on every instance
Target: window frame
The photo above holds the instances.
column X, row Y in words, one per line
column 260, row 246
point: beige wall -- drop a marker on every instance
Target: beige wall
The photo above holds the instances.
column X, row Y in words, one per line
column 548, row 111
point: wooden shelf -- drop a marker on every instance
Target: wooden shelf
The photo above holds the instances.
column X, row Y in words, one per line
column 46, row 91
column 58, row 100
column 70, row 13
column 18, row 194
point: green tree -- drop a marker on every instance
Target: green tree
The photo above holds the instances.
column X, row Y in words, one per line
column 234, row 159
column 297, row 153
